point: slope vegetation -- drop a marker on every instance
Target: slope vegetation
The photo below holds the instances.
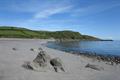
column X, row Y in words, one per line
column 16, row 32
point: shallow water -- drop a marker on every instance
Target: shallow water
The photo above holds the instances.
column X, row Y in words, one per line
column 99, row 47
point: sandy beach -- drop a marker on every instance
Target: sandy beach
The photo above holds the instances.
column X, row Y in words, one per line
column 11, row 62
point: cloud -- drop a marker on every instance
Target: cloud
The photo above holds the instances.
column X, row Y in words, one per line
column 39, row 9
column 51, row 11
column 31, row 6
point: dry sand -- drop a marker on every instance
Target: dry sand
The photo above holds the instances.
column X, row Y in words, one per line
column 11, row 62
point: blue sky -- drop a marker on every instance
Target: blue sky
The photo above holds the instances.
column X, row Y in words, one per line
column 100, row 18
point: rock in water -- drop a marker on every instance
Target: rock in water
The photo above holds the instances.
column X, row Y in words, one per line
column 57, row 64
column 95, row 67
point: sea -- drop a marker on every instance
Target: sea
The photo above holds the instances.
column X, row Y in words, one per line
column 98, row 47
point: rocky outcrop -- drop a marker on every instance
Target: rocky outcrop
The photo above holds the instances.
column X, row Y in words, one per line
column 57, row 64
column 43, row 62
column 40, row 63
column 42, row 59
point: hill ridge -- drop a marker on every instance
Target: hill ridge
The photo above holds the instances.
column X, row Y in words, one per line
column 18, row 32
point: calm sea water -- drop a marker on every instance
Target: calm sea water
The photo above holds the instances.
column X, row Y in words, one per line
column 99, row 47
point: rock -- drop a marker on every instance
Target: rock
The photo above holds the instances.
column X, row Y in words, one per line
column 14, row 49
column 40, row 49
column 31, row 49
column 36, row 49
column 57, row 64
column 40, row 63
column 43, row 62
column 42, row 58
column 27, row 65
column 95, row 67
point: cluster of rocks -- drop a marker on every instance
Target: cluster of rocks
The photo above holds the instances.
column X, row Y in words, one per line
column 43, row 62
column 110, row 59
column 31, row 49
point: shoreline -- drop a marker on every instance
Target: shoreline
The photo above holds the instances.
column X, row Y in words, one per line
column 11, row 62
column 111, row 59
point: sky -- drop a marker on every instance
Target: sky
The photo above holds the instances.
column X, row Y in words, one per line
column 100, row 18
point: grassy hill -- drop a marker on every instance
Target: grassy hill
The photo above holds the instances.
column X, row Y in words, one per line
column 16, row 32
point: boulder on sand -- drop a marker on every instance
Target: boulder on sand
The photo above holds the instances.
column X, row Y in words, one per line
column 40, row 63
column 43, row 62
column 95, row 67
column 14, row 49
column 57, row 64
column 42, row 59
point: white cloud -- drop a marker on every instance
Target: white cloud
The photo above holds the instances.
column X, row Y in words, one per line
column 31, row 6
column 40, row 9
column 51, row 11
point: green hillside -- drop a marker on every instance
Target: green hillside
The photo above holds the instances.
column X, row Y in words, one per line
column 16, row 32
